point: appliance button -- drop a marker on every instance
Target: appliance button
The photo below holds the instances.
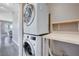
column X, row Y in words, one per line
column 27, row 36
column 33, row 38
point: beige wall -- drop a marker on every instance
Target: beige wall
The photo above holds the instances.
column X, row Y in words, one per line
column 64, row 11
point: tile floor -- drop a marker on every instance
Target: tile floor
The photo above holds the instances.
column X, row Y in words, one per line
column 8, row 49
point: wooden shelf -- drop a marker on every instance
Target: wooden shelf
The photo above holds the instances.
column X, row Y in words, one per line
column 65, row 21
column 65, row 25
column 69, row 37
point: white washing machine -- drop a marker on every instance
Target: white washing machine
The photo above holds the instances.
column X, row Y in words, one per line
column 35, row 17
column 32, row 45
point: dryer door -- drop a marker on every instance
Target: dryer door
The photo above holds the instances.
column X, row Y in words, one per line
column 28, row 49
column 29, row 14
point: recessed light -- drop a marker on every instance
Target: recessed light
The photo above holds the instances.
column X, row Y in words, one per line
column 7, row 4
column 2, row 7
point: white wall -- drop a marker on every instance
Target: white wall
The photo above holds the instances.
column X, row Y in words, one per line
column 17, row 27
column 0, row 34
column 65, row 12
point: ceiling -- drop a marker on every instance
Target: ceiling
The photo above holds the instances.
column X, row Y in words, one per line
column 7, row 7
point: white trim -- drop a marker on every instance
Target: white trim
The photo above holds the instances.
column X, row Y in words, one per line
column 78, row 26
column 15, row 43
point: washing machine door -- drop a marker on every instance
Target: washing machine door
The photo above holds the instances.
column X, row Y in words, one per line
column 29, row 14
column 28, row 49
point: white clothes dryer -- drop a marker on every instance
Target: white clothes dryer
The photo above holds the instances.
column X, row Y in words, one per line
column 32, row 45
column 35, row 17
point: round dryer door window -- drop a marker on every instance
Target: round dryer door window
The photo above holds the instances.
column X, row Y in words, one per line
column 29, row 13
column 28, row 49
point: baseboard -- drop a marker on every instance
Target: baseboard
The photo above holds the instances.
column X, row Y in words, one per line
column 15, row 43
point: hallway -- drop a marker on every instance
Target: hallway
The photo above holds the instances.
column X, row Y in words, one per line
column 7, row 46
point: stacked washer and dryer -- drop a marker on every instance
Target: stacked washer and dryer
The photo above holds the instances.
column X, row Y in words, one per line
column 35, row 24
